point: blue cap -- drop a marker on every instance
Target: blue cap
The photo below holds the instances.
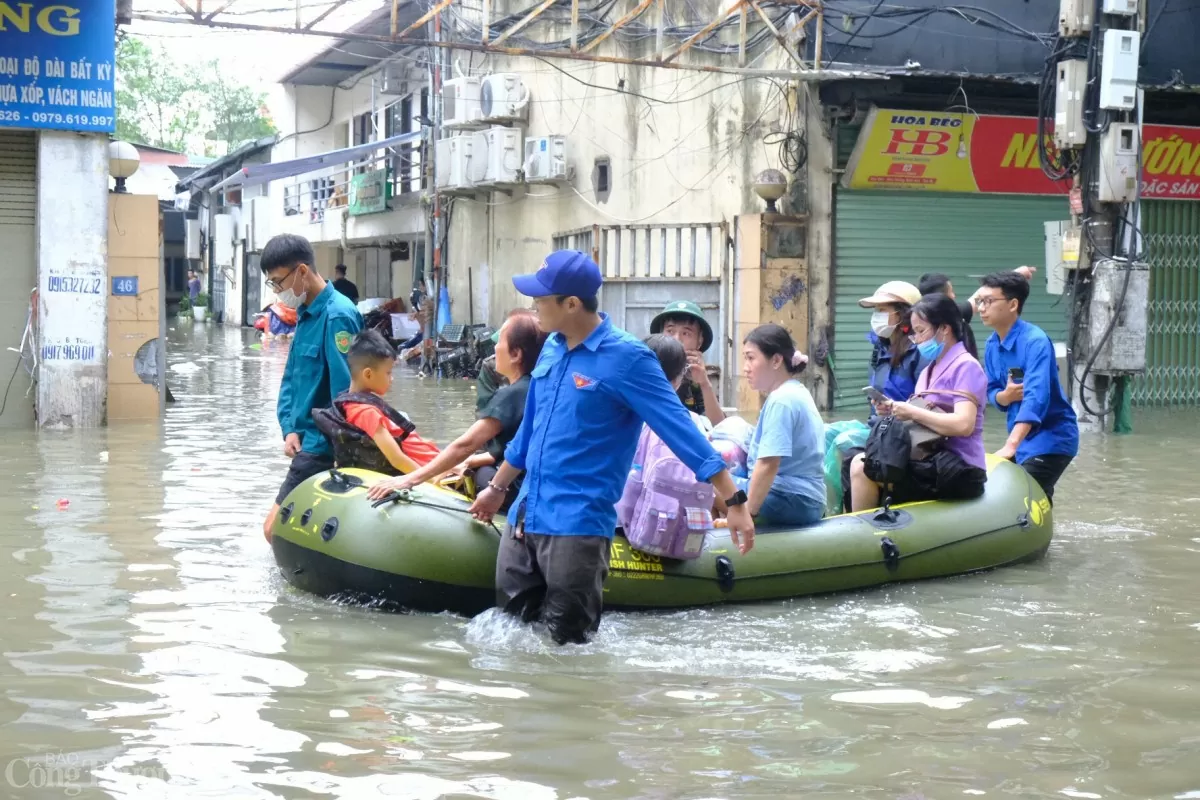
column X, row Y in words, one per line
column 569, row 273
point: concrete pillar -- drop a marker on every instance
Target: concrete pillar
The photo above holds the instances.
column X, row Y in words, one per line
column 135, row 309
column 821, row 181
column 72, row 256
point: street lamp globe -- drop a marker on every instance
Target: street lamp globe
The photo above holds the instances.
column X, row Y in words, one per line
column 770, row 185
column 123, row 161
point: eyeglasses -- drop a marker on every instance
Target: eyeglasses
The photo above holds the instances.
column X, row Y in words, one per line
column 277, row 286
column 983, row 302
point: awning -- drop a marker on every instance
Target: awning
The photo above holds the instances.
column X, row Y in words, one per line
column 253, row 174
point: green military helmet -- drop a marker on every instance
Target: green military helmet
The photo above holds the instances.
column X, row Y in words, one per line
column 684, row 308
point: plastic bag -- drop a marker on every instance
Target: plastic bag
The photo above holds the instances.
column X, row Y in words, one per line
column 839, row 438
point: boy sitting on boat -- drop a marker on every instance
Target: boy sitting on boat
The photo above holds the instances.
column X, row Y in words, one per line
column 364, row 430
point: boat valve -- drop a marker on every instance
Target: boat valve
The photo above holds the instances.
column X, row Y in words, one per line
column 329, row 529
column 305, row 517
column 286, row 512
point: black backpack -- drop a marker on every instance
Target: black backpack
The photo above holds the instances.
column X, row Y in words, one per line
column 887, row 452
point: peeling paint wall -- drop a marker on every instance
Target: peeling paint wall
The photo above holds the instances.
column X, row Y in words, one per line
column 72, row 248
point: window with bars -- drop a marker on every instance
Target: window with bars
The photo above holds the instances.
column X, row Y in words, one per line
column 406, row 162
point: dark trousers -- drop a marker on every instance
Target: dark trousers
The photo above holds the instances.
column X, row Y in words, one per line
column 557, row 580
column 1046, row 470
column 484, row 476
column 304, row 466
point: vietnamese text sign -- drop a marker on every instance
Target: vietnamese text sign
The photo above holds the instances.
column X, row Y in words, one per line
column 951, row 152
column 56, row 65
column 368, row 192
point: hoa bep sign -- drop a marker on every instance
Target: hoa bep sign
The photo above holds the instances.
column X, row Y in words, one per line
column 992, row 154
column 57, row 65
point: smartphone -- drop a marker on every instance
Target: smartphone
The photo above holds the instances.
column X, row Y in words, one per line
column 1016, row 375
column 875, row 395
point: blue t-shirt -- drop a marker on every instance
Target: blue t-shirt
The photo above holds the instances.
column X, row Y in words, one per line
column 791, row 427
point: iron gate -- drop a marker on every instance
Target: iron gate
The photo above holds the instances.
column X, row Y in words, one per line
column 647, row 266
column 251, row 289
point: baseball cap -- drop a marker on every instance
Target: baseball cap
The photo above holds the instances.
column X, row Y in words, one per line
column 569, row 273
column 893, row 292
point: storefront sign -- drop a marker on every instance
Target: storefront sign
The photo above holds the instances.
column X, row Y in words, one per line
column 952, row 152
column 368, row 192
column 56, row 65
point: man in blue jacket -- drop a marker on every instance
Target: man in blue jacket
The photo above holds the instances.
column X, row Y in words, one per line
column 316, row 370
column 1043, row 434
column 592, row 387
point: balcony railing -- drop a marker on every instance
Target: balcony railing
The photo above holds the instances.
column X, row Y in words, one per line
column 315, row 193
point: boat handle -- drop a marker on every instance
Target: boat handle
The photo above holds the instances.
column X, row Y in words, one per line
column 725, row 574
column 329, row 529
column 891, row 553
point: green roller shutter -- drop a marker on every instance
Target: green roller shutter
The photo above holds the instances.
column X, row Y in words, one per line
column 884, row 236
column 1172, row 231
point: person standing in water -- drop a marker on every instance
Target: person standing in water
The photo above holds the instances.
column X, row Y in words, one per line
column 316, row 370
column 591, row 389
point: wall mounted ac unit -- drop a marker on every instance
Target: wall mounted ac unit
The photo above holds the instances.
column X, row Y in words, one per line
column 191, row 238
column 460, row 103
column 546, row 159
column 503, row 153
column 504, row 98
column 458, row 166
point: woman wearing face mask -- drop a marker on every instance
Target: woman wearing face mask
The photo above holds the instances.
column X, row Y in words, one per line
column 955, row 382
column 895, row 362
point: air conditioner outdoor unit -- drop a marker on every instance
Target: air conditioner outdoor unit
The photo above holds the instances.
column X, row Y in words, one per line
column 393, row 80
column 504, row 98
column 503, row 155
column 457, row 164
column 546, row 159
column 460, row 103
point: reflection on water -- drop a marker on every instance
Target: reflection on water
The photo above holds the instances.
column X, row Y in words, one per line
column 150, row 649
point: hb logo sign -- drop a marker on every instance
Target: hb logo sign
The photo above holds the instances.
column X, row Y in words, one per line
column 907, row 142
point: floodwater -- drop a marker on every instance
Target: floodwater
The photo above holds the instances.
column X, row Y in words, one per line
column 151, row 650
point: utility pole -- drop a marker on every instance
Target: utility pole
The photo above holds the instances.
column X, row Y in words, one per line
column 433, row 236
column 1098, row 135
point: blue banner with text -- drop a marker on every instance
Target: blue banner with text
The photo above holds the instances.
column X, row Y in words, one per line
column 57, row 61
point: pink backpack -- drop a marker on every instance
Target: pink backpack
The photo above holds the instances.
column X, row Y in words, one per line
column 664, row 510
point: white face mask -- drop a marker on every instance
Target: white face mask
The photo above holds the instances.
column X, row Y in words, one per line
column 880, row 323
column 291, row 299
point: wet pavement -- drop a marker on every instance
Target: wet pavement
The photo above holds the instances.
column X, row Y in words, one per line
column 151, row 650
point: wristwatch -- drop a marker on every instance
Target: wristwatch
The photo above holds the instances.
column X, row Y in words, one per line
column 739, row 499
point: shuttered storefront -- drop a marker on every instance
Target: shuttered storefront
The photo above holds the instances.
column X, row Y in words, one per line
column 881, row 236
column 1172, row 234
column 18, row 213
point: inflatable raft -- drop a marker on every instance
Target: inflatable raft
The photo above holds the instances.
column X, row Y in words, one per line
column 423, row 552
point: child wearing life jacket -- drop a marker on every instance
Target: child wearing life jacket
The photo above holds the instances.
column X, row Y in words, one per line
column 364, row 430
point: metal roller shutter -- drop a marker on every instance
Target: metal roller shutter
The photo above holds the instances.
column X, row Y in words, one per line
column 882, row 236
column 18, row 215
column 1172, row 231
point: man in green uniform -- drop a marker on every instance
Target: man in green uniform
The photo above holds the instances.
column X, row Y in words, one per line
column 316, row 370
column 683, row 321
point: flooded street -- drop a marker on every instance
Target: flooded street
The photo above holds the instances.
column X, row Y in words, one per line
column 147, row 637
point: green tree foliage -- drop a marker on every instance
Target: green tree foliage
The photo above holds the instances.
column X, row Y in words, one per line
column 164, row 103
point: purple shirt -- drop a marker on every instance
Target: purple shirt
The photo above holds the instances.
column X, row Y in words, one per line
column 957, row 370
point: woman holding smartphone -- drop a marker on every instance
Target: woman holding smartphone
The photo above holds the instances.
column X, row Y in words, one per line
column 956, row 384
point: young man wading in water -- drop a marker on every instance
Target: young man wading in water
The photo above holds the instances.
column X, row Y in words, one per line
column 316, row 370
column 593, row 386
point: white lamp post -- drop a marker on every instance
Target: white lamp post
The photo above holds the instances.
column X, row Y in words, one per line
column 123, row 161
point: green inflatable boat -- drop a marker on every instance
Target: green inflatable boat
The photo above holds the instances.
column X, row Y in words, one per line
column 423, row 552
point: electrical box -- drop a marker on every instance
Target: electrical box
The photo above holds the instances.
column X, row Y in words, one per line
column 1126, row 8
column 1069, row 132
column 1120, row 293
column 460, row 103
column 1117, row 177
column 503, row 98
column 1119, row 69
column 504, row 151
column 457, row 165
column 1075, row 17
column 546, row 159
column 223, row 234
column 191, row 239
column 393, row 80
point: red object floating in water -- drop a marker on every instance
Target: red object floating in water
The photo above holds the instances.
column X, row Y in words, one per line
column 63, row 504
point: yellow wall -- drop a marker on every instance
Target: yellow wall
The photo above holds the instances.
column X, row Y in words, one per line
column 133, row 251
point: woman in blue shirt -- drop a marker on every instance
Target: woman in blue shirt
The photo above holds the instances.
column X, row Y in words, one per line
column 895, row 362
column 785, row 460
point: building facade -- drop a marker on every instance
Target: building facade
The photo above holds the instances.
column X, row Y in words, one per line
column 57, row 108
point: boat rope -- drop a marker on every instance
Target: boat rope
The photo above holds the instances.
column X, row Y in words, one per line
column 405, row 496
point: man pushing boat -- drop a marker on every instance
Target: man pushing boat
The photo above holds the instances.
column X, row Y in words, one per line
column 592, row 388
